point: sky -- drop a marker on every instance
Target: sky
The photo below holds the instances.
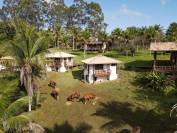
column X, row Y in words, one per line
column 126, row 13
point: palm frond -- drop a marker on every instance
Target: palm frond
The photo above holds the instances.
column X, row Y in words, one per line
column 17, row 107
column 39, row 47
column 17, row 52
column 16, row 123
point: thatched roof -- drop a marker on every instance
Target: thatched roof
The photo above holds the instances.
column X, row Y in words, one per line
column 7, row 58
column 163, row 46
column 101, row 60
column 95, row 43
column 59, row 55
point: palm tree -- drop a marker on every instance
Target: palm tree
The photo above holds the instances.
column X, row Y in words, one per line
column 27, row 48
column 75, row 33
column 84, row 38
column 13, row 120
column 58, row 33
column 103, row 36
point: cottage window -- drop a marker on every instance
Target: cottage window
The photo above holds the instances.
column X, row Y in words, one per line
column 113, row 64
column 99, row 67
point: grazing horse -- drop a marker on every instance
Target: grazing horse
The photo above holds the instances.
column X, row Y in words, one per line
column 136, row 129
column 55, row 93
column 52, row 84
column 75, row 95
column 88, row 97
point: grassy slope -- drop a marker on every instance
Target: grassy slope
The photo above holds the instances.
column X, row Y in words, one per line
column 141, row 58
column 121, row 104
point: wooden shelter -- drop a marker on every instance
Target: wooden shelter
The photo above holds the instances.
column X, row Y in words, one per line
column 100, row 68
column 59, row 61
column 96, row 46
column 167, row 66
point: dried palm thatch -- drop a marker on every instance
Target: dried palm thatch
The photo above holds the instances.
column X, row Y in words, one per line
column 163, row 46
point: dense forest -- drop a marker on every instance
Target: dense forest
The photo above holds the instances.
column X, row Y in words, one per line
column 77, row 24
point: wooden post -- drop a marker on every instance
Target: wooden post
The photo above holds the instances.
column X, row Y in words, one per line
column 175, row 56
column 155, row 58
column 93, row 73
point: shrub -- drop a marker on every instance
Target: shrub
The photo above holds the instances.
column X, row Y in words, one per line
column 132, row 50
column 153, row 81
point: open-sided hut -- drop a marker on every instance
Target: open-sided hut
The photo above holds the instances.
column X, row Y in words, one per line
column 59, row 61
column 165, row 65
column 100, row 68
column 96, row 46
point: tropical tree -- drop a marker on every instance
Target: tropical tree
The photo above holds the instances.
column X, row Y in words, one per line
column 154, row 33
column 32, row 11
column 103, row 36
column 56, row 13
column 84, row 38
column 116, row 37
column 172, row 32
column 74, row 31
column 116, row 33
column 13, row 120
column 65, row 41
column 58, row 33
column 95, row 18
column 27, row 48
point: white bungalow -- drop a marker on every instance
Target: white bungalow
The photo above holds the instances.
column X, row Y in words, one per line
column 5, row 62
column 59, row 61
column 100, row 68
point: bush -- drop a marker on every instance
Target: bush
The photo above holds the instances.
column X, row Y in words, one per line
column 132, row 50
column 154, row 82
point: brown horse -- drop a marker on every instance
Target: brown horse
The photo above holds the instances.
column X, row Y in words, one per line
column 54, row 93
column 75, row 95
column 136, row 129
column 52, row 84
column 88, row 97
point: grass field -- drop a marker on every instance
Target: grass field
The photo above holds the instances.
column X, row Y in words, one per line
column 142, row 58
column 121, row 105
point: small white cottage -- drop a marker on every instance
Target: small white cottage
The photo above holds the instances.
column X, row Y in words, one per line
column 6, row 62
column 100, row 68
column 59, row 61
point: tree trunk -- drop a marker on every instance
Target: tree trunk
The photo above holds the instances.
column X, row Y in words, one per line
column 73, row 42
column 27, row 79
column 22, row 76
column 29, row 103
column 84, row 53
column 85, row 48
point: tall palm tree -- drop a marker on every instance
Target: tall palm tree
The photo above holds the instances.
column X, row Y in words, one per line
column 12, row 119
column 103, row 36
column 84, row 38
column 27, row 48
column 58, row 34
column 74, row 31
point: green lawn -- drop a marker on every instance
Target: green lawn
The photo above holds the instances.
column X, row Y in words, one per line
column 142, row 58
column 121, row 105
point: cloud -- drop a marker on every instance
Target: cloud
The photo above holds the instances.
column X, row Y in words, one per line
column 124, row 10
column 164, row 2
